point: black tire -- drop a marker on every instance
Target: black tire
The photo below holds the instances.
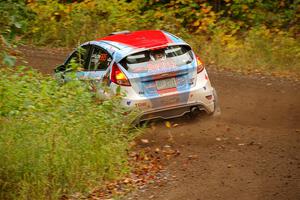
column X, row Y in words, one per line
column 217, row 108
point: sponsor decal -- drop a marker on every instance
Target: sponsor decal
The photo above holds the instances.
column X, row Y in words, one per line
column 159, row 66
column 142, row 105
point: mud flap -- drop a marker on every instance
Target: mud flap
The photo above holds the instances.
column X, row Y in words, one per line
column 217, row 109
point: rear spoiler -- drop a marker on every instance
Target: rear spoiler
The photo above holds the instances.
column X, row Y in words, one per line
column 127, row 51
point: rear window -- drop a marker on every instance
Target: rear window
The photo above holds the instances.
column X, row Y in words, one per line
column 150, row 60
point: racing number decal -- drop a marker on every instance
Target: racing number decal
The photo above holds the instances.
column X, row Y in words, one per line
column 103, row 57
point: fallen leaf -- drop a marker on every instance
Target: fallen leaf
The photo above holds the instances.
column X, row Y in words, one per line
column 171, row 138
column 175, row 125
column 145, row 141
column 132, row 144
column 168, row 124
column 157, row 150
column 169, row 151
column 192, row 157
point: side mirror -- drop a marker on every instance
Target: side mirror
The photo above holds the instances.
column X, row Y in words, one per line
column 60, row 68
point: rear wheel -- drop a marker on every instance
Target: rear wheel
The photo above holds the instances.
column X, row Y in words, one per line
column 217, row 109
column 194, row 112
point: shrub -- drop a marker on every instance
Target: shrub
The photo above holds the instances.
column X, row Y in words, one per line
column 57, row 140
column 69, row 23
column 259, row 50
column 14, row 20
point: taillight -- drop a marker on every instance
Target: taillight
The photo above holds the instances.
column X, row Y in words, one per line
column 118, row 77
column 200, row 65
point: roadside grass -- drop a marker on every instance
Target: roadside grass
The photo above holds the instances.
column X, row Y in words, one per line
column 57, row 140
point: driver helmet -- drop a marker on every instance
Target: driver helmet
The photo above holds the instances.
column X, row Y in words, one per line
column 158, row 55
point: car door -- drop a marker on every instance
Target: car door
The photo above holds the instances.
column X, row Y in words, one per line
column 77, row 61
column 96, row 70
column 97, row 65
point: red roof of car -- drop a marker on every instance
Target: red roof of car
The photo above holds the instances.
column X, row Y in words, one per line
column 140, row 39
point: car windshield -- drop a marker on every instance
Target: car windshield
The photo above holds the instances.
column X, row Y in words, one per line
column 151, row 60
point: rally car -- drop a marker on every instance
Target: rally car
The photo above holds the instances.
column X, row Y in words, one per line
column 158, row 72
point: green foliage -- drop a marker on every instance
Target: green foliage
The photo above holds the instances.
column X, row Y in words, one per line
column 69, row 23
column 259, row 50
column 57, row 140
column 14, row 18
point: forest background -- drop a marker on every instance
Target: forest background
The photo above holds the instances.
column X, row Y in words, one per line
column 241, row 35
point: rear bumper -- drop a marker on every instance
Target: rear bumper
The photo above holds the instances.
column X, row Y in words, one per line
column 202, row 98
column 176, row 111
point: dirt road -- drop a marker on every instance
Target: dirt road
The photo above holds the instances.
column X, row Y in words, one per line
column 250, row 152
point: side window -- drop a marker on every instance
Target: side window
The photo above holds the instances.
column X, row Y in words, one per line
column 79, row 56
column 100, row 59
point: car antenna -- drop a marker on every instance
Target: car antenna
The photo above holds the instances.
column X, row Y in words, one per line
column 120, row 32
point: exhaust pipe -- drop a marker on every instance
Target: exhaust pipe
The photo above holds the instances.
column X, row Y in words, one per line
column 194, row 111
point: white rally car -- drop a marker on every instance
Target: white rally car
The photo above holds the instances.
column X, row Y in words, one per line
column 158, row 72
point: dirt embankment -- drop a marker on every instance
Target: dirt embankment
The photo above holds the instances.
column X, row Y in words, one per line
column 250, row 152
